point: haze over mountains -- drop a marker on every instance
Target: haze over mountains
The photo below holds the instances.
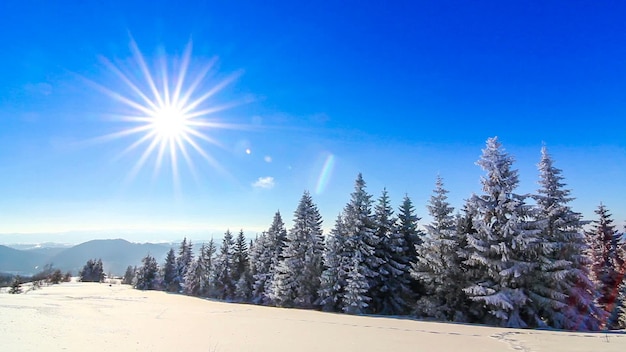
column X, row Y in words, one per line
column 116, row 255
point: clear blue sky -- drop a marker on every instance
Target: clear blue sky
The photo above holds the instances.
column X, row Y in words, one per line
column 400, row 91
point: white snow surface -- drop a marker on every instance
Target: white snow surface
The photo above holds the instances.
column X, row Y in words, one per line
column 102, row 317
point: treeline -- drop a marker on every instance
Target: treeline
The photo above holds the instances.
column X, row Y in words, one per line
column 505, row 259
column 48, row 276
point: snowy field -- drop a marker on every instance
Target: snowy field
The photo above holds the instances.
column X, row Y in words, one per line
column 99, row 317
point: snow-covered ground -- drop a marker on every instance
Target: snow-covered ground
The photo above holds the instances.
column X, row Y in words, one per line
column 99, row 317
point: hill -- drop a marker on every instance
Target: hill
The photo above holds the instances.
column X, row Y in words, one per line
column 20, row 262
column 116, row 255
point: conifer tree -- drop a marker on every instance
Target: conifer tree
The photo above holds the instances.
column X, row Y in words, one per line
column 361, row 237
column 93, row 271
column 241, row 262
column 408, row 227
column 240, row 256
column 198, row 280
column 355, row 300
column 391, row 287
column 268, row 253
column 439, row 266
column 129, row 275
column 148, row 274
column 207, row 253
column 334, row 274
column 568, row 297
column 607, row 270
column 469, row 310
column 259, row 265
column 224, row 268
column 194, row 279
column 171, row 280
column 621, row 311
column 297, row 279
column 16, row 285
column 501, row 250
column 184, row 259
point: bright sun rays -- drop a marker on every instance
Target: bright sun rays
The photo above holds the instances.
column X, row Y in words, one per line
column 168, row 110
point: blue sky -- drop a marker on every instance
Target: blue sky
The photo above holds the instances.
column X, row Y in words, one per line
column 400, row 92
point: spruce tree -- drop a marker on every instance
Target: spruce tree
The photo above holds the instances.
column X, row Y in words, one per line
column 607, row 270
column 224, row 268
column 470, row 311
column 407, row 227
column 129, row 275
column 501, row 251
column 206, row 260
column 335, row 272
column 355, row 300
column 147, row 277
column 184, row 259
column 240, row 256
column 241, row 263
column 439, row 266
column 16, row 285
column 621, row 311
column 92, row 271
column 171, row 280
column 568, row 295
column 259, row 263
column 194, row 278
column 297, row 279
column 268, row 253
column 391, row 287
column 361, row 241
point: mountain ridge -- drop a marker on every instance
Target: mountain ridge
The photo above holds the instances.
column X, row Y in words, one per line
column 116, row 254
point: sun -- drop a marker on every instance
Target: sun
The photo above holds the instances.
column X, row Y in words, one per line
column 170, row 114
column 170, row 122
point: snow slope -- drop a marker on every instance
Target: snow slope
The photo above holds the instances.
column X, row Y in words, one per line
column 99, row 317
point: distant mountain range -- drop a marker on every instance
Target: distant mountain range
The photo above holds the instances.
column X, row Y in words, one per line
column 116, row 255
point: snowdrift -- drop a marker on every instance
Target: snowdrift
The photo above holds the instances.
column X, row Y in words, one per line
column 103, row 317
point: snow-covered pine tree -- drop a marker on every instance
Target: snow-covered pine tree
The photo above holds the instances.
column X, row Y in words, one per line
column 408, row 227
column 260, row 262
column 244, row 287
column 297, row 279
column 268, row 253
column 471, row 311
column 16, row 285
column 147, row 277
column 356, row 298
column 439, row 266
column 224, row 284
column 335, row 272
column 171, row 280
column 194, row 278
column 207, row 254
column 240, row 256
column 501, row 251
column 607, row 271
column 241, row 265
column 568, row 294
column 361, row 237
column 129, row 275
column 93, row 271
column 184, row 259
column 621, row 311
column 391, row 287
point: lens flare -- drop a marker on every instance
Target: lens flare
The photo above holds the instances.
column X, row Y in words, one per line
column 325, row 174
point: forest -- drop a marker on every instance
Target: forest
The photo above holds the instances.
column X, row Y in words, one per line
column 502, row 259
